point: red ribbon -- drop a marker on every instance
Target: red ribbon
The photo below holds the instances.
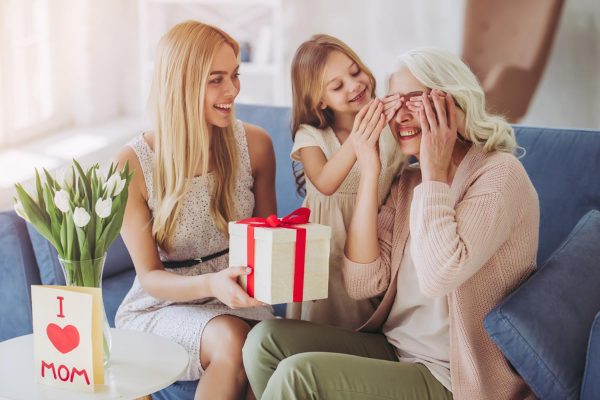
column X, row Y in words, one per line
column 299, row 216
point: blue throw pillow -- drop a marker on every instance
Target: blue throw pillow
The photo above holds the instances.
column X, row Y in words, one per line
column 543, row 327
column 590, row 388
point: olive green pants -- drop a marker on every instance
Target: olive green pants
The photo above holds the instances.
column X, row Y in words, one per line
column 291, row 359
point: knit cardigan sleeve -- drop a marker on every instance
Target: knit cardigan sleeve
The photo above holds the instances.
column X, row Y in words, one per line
column 451, row 242
column 364, row 281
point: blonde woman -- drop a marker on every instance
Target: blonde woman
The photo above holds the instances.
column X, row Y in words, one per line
column 332, row 89
column 196, row 170
column 457, row 234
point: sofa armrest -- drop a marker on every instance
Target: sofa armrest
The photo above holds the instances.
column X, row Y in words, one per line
column 18, row 271
column 590, row 388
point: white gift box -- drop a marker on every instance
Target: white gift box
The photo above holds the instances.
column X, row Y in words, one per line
column 274, row 261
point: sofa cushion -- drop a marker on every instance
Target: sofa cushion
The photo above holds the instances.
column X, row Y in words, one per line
column 117, row 259
column 18, row 271
column 276, row 121
column 181, row 390
column 558, row 162
column 543, row 327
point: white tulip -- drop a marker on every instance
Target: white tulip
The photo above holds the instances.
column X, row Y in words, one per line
column 20, row 210
column 115, row 182
column 61, row 199
column 103, row 207
column 81, row 217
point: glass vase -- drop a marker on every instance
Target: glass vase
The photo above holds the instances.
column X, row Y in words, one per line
column 88, row 273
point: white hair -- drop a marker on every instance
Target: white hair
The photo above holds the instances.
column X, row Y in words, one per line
column 440, row 69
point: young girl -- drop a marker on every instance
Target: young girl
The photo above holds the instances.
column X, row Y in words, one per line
column 332, row 90
column 198, row 169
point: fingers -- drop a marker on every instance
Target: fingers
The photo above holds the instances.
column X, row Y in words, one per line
column 369, row 122
column 429, row 113
column 359, row 117
column 440, row 108
column 391, row 101
column 240, row 299
column 452, row 120
column 378, row 128
column 414, row 103
column 425, row 128
column 391, row 105
column 234, row 272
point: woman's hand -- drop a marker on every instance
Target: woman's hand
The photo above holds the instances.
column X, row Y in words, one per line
column 438, row 135
column 225, row 287
column 368, row 124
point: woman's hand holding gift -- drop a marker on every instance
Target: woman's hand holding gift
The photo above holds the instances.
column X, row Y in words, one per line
column 225, row 287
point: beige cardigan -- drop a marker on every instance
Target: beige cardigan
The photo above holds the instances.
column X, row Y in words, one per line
column 474, row 241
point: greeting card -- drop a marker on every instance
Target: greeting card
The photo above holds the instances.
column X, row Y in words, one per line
column 67, row 336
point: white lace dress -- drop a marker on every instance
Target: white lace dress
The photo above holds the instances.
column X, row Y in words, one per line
column 196, row 236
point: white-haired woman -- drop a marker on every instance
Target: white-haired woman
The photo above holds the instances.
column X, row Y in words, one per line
column 457, row 233
column 196, row 170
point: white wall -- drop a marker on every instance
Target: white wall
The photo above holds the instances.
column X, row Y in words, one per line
column 568, row 94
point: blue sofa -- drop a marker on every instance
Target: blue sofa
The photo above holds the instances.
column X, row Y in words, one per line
column 563, row 165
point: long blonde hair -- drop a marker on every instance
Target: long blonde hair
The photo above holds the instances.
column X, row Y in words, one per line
column 183, row 140
column 440, row 69
column 308, row 67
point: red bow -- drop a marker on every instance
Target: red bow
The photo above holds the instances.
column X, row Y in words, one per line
column 296, row 217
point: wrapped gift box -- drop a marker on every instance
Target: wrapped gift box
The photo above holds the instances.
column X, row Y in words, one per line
column 281, row 274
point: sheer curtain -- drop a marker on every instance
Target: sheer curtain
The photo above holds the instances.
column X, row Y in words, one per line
column 64, row 64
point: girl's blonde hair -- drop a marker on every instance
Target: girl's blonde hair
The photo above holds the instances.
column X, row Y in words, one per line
column 440, row 69
column 308, row 67
column 183, row 139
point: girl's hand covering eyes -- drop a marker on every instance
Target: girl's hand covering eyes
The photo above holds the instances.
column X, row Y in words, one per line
column 392, row 103
column 368, row 124
column 415, row 103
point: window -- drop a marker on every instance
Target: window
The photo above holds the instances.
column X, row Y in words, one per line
column 27, row 77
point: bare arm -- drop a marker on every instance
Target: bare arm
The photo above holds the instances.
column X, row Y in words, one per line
column 137, row 235
column 262, row 160
column 136, row 232
column 328, row 175
column 362, row 245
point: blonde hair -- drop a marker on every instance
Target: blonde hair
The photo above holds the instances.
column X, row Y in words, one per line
column 440, row 69
column 308, row 67
column 183, row 140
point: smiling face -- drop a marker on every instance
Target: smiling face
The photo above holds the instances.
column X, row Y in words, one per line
column 222, row 87
column 405, row 125
column 347, row 88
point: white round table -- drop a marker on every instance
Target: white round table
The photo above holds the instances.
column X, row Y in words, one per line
column 141, row 363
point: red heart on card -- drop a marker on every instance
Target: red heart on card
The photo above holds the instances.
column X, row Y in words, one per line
column 64, row 339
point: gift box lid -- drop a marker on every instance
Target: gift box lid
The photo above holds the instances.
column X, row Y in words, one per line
column 282, row 234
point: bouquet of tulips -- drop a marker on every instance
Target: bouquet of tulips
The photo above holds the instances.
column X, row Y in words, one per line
column 81, row 212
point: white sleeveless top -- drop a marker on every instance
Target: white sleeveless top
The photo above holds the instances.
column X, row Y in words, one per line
column 195, row 234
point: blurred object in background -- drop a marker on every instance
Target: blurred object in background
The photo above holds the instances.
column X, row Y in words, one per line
column 507, row 44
